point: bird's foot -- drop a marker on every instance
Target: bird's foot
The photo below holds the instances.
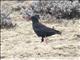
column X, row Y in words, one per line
column 46, row 41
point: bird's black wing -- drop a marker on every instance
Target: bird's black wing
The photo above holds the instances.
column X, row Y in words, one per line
column 42, row 30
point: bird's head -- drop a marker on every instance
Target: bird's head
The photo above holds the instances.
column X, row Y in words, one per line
column 34, row 18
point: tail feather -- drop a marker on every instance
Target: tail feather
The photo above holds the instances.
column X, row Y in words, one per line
column 58, row 32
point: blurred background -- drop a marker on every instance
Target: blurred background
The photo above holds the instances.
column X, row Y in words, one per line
column 48, row 10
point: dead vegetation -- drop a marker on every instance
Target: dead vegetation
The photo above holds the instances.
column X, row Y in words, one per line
column 22, row 42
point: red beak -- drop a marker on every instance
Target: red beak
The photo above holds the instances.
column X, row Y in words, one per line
column 27, row 18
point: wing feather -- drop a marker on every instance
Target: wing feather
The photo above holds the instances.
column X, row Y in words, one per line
column 41, row 29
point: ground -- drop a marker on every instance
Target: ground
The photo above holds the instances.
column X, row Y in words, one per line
column 21, row 41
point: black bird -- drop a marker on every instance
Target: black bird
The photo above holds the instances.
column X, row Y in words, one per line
column 41, row 30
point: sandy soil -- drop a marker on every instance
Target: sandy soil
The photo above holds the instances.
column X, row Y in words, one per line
column 21, row 42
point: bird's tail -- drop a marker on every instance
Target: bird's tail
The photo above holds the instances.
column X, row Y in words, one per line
column 58, row 32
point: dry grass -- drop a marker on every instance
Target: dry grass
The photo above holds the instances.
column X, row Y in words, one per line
column 21, row 42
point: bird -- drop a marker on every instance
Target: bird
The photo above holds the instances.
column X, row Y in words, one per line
column 42, row 30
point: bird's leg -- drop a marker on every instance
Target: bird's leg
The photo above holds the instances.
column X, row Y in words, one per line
column 46, row 40
column 42, row 40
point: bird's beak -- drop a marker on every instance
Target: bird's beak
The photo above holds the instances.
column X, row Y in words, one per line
column 28, row 18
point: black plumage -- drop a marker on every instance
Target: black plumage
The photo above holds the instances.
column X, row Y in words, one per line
column 41, row 30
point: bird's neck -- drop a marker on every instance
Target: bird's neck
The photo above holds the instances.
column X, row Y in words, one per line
column 35, row 21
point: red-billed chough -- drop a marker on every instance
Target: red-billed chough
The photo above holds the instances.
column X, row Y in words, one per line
column 41, row 30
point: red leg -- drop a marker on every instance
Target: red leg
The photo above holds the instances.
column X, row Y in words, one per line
column 46, row 40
